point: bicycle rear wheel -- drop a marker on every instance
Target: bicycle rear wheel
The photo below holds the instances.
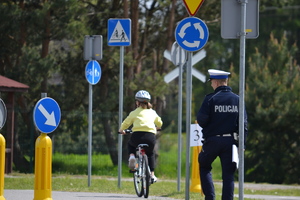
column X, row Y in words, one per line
column 146, row 176
column 138, row 181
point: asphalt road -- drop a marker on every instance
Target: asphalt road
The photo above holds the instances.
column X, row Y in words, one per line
column 57, row 195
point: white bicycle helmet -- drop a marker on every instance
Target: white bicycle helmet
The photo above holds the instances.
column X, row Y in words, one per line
column 142, row 96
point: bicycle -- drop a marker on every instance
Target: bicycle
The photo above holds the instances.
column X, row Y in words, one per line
column 141, row 172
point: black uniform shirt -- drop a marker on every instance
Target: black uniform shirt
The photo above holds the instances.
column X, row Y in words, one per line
column 219, row 113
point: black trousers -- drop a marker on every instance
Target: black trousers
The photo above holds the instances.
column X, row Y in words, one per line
column 212, row 148
column 143, row 138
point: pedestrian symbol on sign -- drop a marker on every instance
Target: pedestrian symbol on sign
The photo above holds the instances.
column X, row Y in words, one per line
column 90, row 72
column 119, row 34
column 93, row 72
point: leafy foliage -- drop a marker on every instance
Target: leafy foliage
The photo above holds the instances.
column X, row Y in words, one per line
column 272, row 100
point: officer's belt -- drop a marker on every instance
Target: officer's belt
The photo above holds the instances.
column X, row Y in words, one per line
column 224, row 135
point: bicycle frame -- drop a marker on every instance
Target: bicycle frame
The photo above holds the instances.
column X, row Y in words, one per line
column 142, row 172
column 141, row 152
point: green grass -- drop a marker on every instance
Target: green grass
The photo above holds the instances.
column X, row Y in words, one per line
column 79, row 184
column 102, row 165
column 78, row 164
column 164, row 188
column 70, row 174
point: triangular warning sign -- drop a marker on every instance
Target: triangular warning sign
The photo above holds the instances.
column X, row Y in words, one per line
column 119, row 35
column 193, row 6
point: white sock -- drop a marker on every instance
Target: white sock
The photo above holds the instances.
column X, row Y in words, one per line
column 131, row 157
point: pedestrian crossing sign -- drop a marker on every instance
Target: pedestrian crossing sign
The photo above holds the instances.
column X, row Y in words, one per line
column 119, row 32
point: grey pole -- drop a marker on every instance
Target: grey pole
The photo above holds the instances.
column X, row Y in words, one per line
column 242, row 96
column 120, row 115
column 43, row 95
column 90, row 121
column 179, row 120
column 90, row 134
column 188, row 122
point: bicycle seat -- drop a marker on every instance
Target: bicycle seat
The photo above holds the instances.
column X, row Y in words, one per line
column 143, row 145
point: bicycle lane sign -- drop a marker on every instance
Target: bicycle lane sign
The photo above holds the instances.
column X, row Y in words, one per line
column 93, row 72
column 191, row 34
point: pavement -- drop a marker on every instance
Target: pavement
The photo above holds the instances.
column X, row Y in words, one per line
column 57, row 195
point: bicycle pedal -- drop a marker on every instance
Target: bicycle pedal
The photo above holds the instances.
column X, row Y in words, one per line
column 152, row 180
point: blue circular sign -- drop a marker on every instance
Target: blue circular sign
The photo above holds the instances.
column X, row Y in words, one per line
column 3, row 113
column 46, row 115
column 191, row 34
column 93, row 72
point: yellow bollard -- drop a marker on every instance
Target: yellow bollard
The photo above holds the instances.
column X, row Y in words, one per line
column 43, row 168
column 196, row 184
column 2, row 166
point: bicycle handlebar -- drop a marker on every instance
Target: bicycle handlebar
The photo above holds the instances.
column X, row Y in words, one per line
column 130, row 131
column 126, row 131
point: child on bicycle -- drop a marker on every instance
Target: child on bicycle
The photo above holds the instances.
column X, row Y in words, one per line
column 145, row 123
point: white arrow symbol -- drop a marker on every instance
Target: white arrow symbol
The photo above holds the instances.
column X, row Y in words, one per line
column 50, row 117
column 183, row 28
column 189, row 44
column 200, row 29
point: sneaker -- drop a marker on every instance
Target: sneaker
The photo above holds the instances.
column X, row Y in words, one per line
column 153, row 178
column 131, row 162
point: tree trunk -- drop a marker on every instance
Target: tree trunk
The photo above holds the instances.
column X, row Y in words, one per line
column 110, row 141
column 45, row 49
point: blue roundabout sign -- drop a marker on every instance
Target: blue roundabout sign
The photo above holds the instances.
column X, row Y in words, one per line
column 191, row 34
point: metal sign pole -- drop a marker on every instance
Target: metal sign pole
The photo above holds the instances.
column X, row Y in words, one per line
column 92, row 52
column 90, row 134
column 188, row 122
column 179, row 119
column 120, row 115
column 90, row 120
column 241, row 101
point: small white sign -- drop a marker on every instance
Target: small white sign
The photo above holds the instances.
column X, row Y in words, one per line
column 235, row 155
column 176, row 53
column 196, row 135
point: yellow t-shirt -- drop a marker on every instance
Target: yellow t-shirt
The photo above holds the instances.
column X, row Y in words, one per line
column 142, row 120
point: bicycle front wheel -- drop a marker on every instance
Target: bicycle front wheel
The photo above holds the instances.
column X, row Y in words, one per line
column 146, row 176
column 138, row 181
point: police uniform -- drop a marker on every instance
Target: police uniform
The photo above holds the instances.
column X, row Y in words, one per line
column 218, row 117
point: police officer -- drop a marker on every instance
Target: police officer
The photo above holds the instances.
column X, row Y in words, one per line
column 218, row 117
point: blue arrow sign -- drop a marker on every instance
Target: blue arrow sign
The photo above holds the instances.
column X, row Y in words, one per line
column 191, row 34
column 46, row 115
column 93, row 72
column 119, row 32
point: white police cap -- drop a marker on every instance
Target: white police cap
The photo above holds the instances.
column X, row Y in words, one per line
column 217, row 74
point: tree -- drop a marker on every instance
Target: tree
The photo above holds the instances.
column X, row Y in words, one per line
column 272, row 102
column 33, row 51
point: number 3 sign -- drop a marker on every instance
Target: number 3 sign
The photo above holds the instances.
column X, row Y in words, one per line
column 196, row 135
